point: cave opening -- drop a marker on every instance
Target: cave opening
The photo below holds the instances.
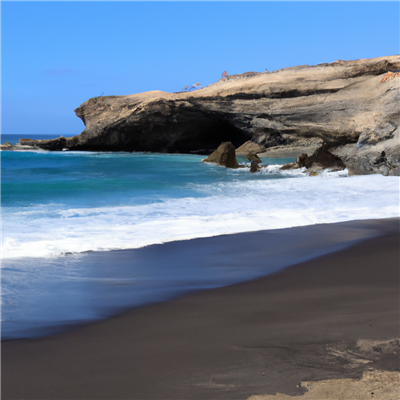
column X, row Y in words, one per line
column 206, row 135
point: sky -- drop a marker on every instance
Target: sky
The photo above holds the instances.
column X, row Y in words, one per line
column 56, row 55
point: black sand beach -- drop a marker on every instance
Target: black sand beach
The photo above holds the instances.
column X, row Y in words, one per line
column 257, row 337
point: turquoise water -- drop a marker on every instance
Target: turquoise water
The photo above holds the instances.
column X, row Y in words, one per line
column 83, row 179
column 57, row 206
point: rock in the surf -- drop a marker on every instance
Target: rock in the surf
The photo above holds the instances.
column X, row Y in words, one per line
column 254, row 167
column 225, row 156
column 322, row 158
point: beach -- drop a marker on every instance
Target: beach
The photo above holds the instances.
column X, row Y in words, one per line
column 205, row 214
column 331, row 317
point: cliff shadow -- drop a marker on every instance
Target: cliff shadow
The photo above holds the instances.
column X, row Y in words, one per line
column 204, row 135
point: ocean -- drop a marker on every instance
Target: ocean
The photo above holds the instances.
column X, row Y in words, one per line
column 69, row 217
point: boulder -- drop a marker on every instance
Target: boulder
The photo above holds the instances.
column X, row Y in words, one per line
column 254, row 157
column 249, row 147
column 322, row 158
column 225, row 156
column 254, row 167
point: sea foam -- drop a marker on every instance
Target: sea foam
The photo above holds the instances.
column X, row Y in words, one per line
column 47, row 230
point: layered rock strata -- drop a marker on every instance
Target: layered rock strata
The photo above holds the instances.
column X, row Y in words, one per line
column 341, row 103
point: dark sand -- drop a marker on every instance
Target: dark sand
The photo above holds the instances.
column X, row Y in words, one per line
column 258, row 337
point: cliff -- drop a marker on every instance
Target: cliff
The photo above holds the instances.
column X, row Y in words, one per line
column 353, row 106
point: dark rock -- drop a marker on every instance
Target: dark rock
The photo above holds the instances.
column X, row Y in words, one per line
column 322, row 158
column 50, row 144
column 254, row 167
column 254, row 157
column 159, row 124
column 381, row 159
column 225, row 156
column 302, row 161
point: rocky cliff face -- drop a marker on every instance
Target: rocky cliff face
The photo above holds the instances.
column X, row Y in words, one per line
column 353, row 106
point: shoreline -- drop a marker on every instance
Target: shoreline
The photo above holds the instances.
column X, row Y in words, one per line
column 160, row 272
column 253, row 338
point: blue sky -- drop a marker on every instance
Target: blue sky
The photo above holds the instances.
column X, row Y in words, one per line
column 56, row 55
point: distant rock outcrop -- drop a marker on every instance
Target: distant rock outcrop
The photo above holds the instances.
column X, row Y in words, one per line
column 224, row 155
column 45, row 144
column 7, row 146
column 343, row 103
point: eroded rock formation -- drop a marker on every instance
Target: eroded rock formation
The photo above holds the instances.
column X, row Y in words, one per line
column 341, row 103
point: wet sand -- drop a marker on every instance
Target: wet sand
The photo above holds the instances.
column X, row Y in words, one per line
column 332, row 317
